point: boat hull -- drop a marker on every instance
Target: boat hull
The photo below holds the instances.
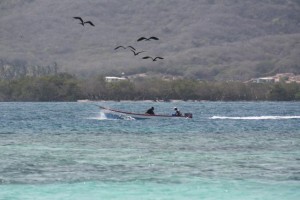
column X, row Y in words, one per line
column 146, row 116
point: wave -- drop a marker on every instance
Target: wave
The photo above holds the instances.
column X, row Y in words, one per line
column 256, row 117
column 111, row 116
column 101, row 116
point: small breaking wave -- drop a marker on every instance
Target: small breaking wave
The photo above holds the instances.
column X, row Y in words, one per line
column 111, row 116
column 256, row 117
column 101, row 116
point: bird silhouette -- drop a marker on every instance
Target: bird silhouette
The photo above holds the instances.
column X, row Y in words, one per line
column 137, row 53
column 153, row 59
column 118, row 47
column 150, row 38
column 84, row 22
column 131, row 47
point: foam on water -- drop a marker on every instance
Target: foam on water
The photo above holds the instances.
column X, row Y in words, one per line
column 100, row 116
column 111, row 116
column 256, row 117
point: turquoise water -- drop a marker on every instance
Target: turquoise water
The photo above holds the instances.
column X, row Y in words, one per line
column 229, row 150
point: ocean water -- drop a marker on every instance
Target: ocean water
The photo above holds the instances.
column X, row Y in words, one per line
column 75, row 151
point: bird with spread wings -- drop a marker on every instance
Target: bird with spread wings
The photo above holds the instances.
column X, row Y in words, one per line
column 153, row 59
column 147, row 39
column 84, row 22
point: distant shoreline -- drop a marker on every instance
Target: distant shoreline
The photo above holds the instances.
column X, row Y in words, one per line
column 66, row 87
column 147, row 101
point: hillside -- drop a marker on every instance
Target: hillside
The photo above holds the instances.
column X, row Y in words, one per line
column 203, row 39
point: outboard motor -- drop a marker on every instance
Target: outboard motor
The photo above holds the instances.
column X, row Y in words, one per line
column 188, row 115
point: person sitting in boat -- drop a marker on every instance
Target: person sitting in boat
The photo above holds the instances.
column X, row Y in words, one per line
column 177, row 112
column 150, row 111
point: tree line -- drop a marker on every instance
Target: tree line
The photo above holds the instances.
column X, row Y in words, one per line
column 18, row 68
column 66, row 87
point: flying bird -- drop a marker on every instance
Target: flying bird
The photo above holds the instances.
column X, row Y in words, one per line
column 137, row 53
column 131, row 47
column 150, row 38
column 84, row 22
column 153, row 59
column 120, row 47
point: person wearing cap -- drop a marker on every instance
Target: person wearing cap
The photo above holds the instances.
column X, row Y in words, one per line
column 150, row 111
column 177, row 112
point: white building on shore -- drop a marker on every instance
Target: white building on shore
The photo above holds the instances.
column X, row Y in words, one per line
column 283, row 77
column 111, row 79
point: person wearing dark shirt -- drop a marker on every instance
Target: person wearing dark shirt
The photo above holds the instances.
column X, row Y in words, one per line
column 177, row 112
column 150, row 111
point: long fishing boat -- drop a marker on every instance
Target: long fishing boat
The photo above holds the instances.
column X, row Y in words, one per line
column 146, row 116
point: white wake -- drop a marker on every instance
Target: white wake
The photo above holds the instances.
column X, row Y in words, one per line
column 256, row 117
column 100, row 116
column 111, row 116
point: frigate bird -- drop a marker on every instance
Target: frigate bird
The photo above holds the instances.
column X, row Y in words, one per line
column 150, row 38
column 120, row 47
column 137, row 53
column 131, row 47
column 153, row 59
column 84, row 22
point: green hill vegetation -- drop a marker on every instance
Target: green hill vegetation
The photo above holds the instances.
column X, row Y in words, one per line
column 65, row 87
column 200, row 39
